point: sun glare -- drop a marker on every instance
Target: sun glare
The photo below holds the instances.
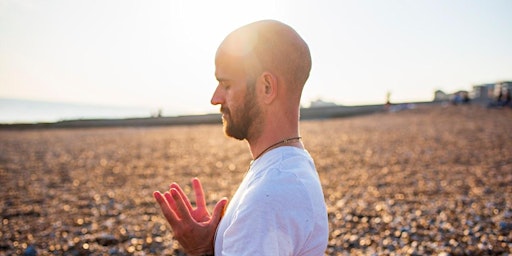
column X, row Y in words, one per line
column 160, row 54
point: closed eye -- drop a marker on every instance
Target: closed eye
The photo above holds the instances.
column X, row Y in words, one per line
column 224, row 84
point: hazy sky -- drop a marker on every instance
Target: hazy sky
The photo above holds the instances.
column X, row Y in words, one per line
column 160, row 54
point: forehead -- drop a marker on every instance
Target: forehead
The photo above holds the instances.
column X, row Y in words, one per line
column 236, row 55
column 228, row 66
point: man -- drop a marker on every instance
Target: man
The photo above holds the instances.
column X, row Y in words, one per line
column 279, row 207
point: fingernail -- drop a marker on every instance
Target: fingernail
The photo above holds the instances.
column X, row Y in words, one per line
column 174, row 193
column 157, row 196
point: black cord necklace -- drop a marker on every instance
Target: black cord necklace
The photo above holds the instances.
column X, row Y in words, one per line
column 276, row 144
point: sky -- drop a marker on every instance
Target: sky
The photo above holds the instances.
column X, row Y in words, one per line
column 160, row 54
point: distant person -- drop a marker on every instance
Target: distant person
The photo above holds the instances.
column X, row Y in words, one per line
column 500, row 96
column 508, row 98
column 387, row 106
column 502, row 100
column 279, row 207
column 465, row 98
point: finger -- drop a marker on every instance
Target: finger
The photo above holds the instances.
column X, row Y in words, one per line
column 169, row 214
column 182, row 210
column 218, row 211
column 182, row 194
column 171, row 203
column 198, row 189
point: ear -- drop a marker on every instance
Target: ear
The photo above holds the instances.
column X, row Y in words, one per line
column 269, row 82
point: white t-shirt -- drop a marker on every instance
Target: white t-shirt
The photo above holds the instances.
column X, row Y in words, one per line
column 278, row 209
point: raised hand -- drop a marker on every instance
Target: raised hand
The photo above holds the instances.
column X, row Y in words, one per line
column 193, row 228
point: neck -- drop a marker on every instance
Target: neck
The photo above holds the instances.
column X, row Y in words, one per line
column 264, row 143
column 287, row 141
column 277, row 127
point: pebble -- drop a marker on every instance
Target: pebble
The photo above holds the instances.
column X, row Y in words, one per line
column 30, row 251
column 428, row 181
column 106, row 240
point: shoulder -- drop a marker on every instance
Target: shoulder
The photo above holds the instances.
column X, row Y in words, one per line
column 284, row 161
column 285, row 167
column 285, row 177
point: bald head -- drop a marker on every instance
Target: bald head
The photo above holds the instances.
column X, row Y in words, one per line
column 271, row 46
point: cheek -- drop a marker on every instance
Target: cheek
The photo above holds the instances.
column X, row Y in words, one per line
column 234, row 98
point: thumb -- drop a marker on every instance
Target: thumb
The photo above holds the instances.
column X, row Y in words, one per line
column 218, row 211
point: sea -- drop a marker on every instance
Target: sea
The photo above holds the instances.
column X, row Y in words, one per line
column 14, row 111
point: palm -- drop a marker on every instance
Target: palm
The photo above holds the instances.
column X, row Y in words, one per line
column 200, row 214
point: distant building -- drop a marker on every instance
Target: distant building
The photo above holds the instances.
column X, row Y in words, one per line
column 483, row 92
column 506, row 84
column 503, row 87
column 320, row 103
column 441, row 96
column 456, row 97
column 460, row 97
column 490, row 92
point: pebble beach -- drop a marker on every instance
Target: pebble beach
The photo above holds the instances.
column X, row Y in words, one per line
column 433, row 180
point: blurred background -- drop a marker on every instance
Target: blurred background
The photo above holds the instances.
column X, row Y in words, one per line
column 114, row 59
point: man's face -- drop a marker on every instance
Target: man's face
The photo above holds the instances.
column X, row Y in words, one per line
column 239, row 119
column 237, row 96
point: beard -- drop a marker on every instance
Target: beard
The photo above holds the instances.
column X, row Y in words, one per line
column 238, row 124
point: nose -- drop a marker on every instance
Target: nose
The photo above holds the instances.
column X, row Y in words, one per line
column 218, row 96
